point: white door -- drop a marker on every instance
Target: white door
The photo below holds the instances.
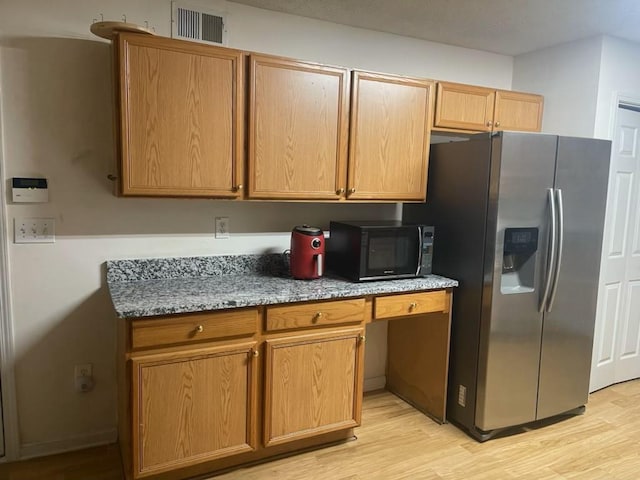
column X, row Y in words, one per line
column 616, row 348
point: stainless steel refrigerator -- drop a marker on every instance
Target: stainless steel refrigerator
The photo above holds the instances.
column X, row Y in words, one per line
column 518, row 222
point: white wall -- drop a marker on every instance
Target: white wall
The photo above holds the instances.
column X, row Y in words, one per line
column 619, row 77
column 580, row 82
column 567, row 76
column 57, row 109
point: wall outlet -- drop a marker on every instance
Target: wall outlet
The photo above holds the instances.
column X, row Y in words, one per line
column 222, row 227
column 83, row 375
column 462, row 395
column 34, row 230
column 84, row 370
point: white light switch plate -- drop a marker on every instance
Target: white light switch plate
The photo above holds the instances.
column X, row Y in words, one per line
column 34, row 230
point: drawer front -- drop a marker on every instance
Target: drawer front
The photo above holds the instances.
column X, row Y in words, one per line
column 193, row 328
column 314, row 314
column 410, row 304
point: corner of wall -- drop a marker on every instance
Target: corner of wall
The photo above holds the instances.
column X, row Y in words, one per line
column 567, row 75
column 8, row 407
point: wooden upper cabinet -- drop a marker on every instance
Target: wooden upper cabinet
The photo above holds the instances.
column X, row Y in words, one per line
column 467, row 107
column 464, row 107
column 389, row 137
column 181, row 118
column 298, row 127
column 518, row 111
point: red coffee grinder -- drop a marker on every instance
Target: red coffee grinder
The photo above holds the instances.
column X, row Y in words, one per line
column 307, row 252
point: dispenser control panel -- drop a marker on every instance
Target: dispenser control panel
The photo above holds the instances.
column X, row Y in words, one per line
column 518, row 260
column 520, row 240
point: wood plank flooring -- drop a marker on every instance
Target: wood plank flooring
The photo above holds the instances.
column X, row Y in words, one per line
column 98, row 463
column 397, row 442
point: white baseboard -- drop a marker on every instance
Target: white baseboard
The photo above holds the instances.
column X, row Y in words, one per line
column 106, row 437
column 41, row 449
column 374, row 383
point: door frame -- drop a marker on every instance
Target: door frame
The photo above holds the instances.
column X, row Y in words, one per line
column 8, row 406
column 618, row 98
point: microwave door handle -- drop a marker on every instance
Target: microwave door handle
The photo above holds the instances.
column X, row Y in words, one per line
column 419, row 250
column 554, row 289
column 552, row 250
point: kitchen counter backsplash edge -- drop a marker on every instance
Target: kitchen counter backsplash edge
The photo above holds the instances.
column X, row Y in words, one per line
column 134, row 270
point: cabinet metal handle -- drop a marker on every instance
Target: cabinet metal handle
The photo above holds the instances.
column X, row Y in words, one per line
column 256, row 353
column 497, row 124
column 238, row 188
column 413, row 306
column 199, row 329
column 340, row 191
column 489, row 123
column 352, row 190
column 362, row 338
column 317, row 316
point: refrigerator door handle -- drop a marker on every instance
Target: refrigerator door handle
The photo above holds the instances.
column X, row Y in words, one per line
column 552, row 250
column 560, row 248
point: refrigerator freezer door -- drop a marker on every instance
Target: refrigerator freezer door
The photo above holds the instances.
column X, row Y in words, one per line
column 511, row 325
column 582, row 171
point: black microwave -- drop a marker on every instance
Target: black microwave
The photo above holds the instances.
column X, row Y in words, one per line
column 378, row 250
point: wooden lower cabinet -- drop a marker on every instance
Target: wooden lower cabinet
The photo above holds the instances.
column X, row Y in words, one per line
column 192, row 406
column 313, row 384
column 203, row 392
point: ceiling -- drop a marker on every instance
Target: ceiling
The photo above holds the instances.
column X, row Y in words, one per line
column 508, row 27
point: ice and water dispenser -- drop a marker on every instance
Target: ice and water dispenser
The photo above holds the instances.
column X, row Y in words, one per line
column 518, row 260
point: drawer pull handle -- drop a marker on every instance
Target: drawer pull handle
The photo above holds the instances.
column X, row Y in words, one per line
column 199, row 329
column 256, row 353
column 413, row 306
column 317, row 316
column 363, row 338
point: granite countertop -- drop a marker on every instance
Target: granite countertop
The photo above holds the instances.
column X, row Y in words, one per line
column 148, row 287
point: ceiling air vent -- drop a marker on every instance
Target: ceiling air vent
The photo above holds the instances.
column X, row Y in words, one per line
column 196, row 24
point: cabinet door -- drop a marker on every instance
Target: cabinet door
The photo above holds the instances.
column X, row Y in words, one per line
column 313, row 384
column 518, row 111
column 193, row 406
column 181, row 118
column 298, row 118
column 389, row 137
column 464, row 107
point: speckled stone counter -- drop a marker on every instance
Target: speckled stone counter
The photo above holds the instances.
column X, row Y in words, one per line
column 161, row 286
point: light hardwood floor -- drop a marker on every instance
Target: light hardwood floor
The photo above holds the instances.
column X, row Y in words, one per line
column 397, row 442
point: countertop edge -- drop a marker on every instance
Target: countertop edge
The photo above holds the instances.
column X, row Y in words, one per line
column 153, row 298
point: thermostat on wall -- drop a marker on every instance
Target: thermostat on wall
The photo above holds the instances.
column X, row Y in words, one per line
column 30, row 190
